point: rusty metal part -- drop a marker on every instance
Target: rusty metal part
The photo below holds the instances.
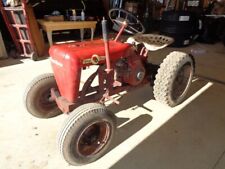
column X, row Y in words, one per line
column 93, row 138
column 100, row 93
column 62, row 103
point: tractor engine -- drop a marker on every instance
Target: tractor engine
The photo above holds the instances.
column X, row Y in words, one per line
column 130, row 71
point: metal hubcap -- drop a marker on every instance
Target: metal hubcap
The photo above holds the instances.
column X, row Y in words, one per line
column 181, row 82
column 93, row 138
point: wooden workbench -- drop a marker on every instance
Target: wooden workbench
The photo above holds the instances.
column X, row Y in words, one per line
column 50, row 26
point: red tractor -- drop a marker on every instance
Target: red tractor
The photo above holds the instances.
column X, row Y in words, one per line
column 90, row 127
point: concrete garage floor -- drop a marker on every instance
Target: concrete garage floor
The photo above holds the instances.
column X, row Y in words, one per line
column 149, row 136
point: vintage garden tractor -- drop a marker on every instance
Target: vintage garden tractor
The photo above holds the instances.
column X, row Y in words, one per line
column 90, row 127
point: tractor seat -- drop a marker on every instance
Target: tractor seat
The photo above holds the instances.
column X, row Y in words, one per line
column 152, row 42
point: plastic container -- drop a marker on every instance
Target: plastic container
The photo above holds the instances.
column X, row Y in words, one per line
column 74, row 14
column 82, row 15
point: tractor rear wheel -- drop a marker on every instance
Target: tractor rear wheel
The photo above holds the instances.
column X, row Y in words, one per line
column 37, row 97
column 86, row 134
column 173, row 78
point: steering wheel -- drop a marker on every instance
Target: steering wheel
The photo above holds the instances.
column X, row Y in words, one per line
column 119, row 16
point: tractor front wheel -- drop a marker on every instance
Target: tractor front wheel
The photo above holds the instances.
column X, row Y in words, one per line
column 86, row 134
column 173, row 78
column 37, row 97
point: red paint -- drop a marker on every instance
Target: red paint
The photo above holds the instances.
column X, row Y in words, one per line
column 68, row 61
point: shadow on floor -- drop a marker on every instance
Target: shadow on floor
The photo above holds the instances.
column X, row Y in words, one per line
column 9, row 62
column 12, row 61
column 211, row 79
column 193, row 139
column 129, row 128
column 133, row 99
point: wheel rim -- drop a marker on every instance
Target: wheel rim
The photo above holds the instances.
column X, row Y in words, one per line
column 181, row 82
column 45, row 100
column 93, row 138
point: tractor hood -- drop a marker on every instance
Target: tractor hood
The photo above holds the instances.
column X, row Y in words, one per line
column 68, row 59
column 83, row 52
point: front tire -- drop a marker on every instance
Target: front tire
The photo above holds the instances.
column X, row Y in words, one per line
column 37, row 97
column 86, row 134
column 173, row 78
